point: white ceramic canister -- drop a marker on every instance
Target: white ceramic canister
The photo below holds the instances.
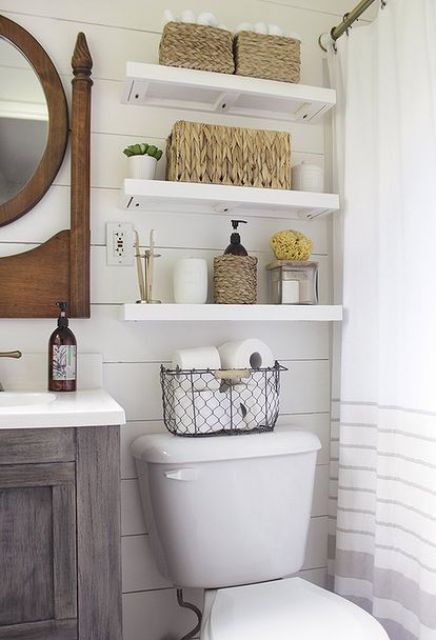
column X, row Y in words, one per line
column 190, row 281
column 308, row 177
column 142, row 167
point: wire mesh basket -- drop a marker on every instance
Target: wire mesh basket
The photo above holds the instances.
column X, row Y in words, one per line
column 212, row 402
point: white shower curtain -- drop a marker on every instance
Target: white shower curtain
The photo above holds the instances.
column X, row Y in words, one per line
column 383, row 489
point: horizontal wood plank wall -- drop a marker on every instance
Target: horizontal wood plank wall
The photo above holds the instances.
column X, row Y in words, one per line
column 130, row 30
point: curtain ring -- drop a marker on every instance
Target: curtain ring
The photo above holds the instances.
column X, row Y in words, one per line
column 321, row 44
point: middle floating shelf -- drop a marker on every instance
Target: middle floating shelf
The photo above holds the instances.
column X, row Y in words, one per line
column 220, row 199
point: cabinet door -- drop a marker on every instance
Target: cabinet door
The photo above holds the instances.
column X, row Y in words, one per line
column 38, row 585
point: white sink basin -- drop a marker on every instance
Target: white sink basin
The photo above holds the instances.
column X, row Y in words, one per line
column 42, row 409
column 14, row 399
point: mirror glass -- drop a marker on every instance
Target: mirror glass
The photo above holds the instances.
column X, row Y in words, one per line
column 23, row 121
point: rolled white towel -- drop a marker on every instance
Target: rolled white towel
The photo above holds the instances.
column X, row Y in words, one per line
column 261, row 27
column 207, row 18
column 244, row 26
column 294, row 35
column 274, row 30
column 189, row 16
column 168, row 16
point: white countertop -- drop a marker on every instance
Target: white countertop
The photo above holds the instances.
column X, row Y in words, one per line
column 85, row 408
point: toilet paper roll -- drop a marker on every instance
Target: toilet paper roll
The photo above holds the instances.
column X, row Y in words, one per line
column 197, row 358
column 253, row 408
column 245, row 354
column 244, row 406
column 201, row 411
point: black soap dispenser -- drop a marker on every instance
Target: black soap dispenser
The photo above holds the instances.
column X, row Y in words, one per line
column 62, row 355
column 235, row 273
column 235, row 247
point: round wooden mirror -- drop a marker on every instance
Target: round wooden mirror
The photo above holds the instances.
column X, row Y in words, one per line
column 47, row 125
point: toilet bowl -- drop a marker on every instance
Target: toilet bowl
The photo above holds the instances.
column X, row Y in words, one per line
column 231, row 515
column 289, row 609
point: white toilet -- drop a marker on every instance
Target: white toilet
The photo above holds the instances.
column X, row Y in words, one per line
column 231, row 515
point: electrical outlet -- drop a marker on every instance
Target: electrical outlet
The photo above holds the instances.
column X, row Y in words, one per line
column 119, row 243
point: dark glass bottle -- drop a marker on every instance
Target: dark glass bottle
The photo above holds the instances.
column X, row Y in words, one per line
column 62, row 355
column 235, row 247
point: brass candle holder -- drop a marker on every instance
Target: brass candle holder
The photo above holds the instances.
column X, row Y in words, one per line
column 145, row 270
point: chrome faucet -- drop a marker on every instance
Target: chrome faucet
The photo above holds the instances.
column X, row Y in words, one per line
column 9, row 354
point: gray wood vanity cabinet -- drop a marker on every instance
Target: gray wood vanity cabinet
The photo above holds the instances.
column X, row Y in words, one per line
column 60, row 570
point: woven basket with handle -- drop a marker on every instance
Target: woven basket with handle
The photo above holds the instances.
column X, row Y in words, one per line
column 197, row 46
column 216, row 154
column 235, row 279
column 264, row 56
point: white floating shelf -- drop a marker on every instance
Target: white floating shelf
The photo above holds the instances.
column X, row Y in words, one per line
column 155, row 85
column 188, row 197
column 230, row 312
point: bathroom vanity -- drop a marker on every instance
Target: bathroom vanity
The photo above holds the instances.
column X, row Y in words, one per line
column 60, row 516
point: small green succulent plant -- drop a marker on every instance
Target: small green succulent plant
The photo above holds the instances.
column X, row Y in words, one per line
column 143, row 149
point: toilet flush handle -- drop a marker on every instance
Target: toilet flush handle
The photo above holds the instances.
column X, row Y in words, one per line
column 185, row 475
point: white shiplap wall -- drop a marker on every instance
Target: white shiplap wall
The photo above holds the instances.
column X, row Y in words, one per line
column 130, row 30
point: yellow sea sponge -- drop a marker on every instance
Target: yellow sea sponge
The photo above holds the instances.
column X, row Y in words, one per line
column 291, row 245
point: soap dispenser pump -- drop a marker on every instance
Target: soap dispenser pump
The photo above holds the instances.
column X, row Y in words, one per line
column 235, row 248
column 62, row 355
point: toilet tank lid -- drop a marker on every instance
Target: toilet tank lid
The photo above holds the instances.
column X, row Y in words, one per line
column 167, row 448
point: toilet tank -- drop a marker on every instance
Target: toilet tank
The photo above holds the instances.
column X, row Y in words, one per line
column 227, row 510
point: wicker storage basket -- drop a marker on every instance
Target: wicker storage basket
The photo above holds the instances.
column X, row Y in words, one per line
column 270, row 57
column 196, row 46
column 235, row 279
column 229, row 155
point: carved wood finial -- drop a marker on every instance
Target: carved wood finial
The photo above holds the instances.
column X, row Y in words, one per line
column 80, row 180
column 81, row 60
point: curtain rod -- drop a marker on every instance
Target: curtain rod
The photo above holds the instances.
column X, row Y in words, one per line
column 347, row 20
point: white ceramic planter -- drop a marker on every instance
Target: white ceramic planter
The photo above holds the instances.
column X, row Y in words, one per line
column 142, row 167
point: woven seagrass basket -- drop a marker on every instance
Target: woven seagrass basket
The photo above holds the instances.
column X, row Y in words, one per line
column 271, row 57
column 216, row 154
column 196, row 46
column 235, row 279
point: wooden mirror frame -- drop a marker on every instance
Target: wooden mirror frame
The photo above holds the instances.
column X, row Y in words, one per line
column 57, row 134
column 59, row 269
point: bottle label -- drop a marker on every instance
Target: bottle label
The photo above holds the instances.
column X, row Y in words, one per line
column 64, row 362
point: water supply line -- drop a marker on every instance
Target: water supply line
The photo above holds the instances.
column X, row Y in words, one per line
column 196, row 610
column 348, row 20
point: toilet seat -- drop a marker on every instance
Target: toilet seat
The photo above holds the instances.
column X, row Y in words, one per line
column 289, row 609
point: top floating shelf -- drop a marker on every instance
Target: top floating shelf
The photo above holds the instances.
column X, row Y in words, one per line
column 155, row 85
